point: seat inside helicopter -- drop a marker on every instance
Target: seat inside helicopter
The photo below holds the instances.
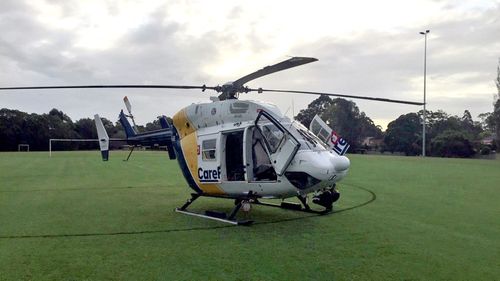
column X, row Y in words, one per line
column 262, row 169
column 258, row 165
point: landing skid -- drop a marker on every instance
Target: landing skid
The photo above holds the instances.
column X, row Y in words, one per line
column 231, row 217
column 304, row 207
column 212, row 215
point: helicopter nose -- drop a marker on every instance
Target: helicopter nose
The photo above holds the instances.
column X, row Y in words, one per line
column 341, row 163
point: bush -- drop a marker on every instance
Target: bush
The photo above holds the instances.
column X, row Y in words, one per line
column 451, row 144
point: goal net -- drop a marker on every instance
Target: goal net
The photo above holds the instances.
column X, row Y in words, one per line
column 23, row 147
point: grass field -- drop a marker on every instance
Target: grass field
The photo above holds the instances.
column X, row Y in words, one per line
column 74, row 217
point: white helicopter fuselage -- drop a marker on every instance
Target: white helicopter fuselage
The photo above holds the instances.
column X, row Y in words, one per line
column 238, row 148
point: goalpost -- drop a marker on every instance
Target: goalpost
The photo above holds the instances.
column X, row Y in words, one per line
column 68, row 140
column 27, row 146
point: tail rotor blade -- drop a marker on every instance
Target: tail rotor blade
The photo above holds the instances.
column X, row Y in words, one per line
column 129, row 109
column 128, row 105
column 103, row 138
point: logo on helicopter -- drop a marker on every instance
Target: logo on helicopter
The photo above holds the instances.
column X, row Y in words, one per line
column 340, row 145
column 209, row 175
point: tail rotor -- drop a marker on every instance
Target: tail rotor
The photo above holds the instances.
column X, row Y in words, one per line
column 103, row 138
column 129, row 110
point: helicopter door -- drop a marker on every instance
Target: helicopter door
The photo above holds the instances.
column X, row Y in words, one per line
column 328, row 136
column 259, row 167
column 209, row 170
column 282, row 145
column 233, row 149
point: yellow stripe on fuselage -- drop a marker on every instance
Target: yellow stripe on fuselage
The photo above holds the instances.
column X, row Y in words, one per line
column 189, row 145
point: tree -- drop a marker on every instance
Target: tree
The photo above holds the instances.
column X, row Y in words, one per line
column 37, row 131
column 439, row 121
column 151, row 126
column 60, row 127
column 11, row 128
column 467, row 118
column 496, row 108
column 451, row 143
column 471, row 128
column 317, row 106
column 403, row 134
column 343, row 116
column 486, row 121
column 86, row 129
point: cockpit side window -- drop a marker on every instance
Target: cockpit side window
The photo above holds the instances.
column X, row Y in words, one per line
column 209, row 149
column 303, row 134
column 272, row 134
column 281, row 144
column 319, row 131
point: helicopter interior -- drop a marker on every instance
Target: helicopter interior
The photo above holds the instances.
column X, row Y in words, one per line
column 234, row 156
column 257, row 166
column 262, row 169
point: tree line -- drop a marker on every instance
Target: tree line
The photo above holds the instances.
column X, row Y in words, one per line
column 17, row 127
column 447, row 135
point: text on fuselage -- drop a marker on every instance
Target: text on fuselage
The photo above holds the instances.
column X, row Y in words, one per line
column 209, row 175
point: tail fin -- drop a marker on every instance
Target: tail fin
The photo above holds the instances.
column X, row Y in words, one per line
column 163, row 122
column 103, row 138
column 129, row 131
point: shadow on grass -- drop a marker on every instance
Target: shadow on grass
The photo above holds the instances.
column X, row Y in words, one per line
column 373, row 197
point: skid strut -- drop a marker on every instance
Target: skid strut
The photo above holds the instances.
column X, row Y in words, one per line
column 132, row 150
column 212, row 215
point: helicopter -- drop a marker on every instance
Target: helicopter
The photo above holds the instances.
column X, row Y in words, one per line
column 160, row 137
column 244, row 150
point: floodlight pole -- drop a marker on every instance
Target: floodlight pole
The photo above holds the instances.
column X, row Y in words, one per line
column 425, row 78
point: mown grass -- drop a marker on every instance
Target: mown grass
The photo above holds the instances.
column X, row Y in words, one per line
column 74, row 217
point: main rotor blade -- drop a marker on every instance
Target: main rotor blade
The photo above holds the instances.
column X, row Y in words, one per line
column 203, row 88
column 289, row 63
column 337, row 95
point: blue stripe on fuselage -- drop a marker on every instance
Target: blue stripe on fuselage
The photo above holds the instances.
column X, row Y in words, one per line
column 182, row 161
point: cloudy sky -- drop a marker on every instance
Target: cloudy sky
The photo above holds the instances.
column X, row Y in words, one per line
column 370, row 48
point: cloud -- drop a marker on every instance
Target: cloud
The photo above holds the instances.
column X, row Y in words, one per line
column 68, row 43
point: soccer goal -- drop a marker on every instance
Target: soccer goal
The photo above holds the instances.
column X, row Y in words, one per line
column 68, row 140
column 23, row 147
